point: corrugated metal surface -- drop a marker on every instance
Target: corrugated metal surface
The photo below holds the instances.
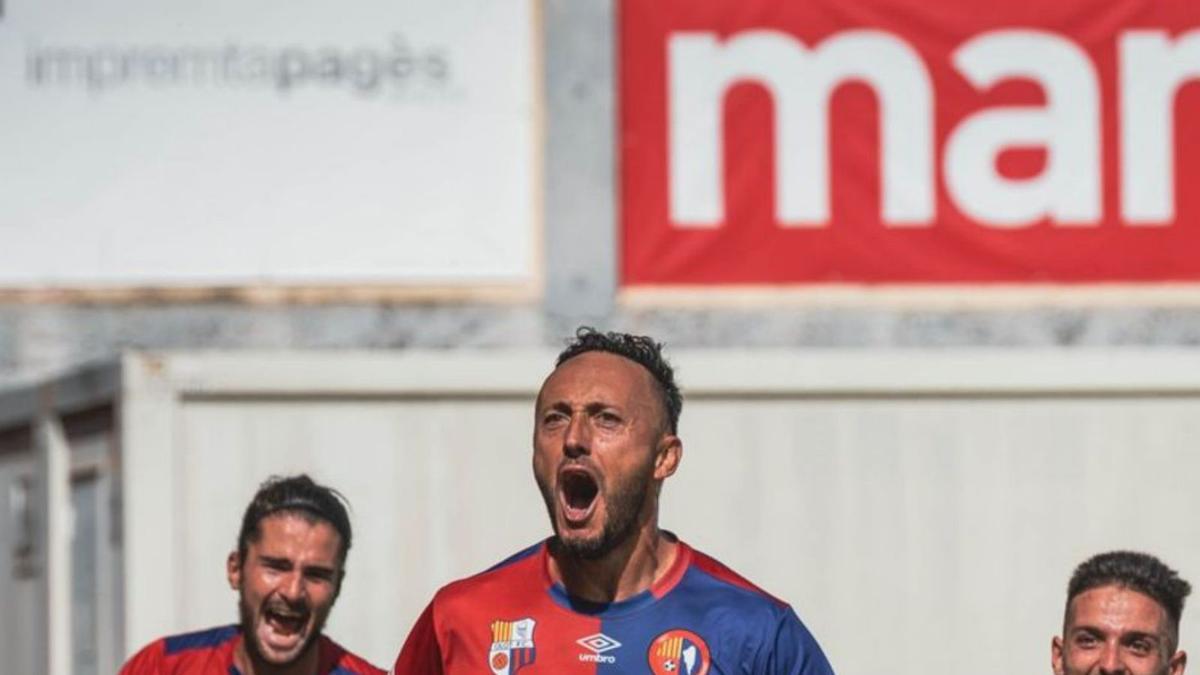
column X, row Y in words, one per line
column 22, row 631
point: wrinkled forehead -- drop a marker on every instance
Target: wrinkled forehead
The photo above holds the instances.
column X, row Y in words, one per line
column 295, row 531
column 1117, row 608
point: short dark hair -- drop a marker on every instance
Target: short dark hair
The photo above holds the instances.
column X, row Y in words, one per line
column 297, row 495
column 1140, row 572
column 640, row 349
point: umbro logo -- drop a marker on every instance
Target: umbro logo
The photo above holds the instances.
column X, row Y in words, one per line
column 598, row 644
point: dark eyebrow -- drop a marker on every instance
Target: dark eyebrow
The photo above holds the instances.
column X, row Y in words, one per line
column 1136, row 635
column 1124, row 637
column 320, row 569
column 273, row 561
column 590, row 407
column 599, row 406
column 557, row 406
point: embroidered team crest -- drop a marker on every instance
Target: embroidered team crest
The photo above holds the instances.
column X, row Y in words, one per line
column 679, row 652
column 512, row 646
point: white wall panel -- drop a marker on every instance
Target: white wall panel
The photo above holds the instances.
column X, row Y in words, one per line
column 911, row 534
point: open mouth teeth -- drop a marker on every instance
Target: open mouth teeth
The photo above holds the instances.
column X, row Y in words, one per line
column 286, row 622
column 579, row 490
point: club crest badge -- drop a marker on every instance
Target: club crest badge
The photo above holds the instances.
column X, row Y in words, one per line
column 512, row 646
column 679, row 652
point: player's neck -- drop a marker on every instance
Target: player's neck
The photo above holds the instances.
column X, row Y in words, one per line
column 249, row 664
column 630, row 568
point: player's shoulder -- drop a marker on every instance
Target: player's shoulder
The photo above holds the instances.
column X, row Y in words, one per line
column 518, row 574
column 707, row 575
column 345, row 662
column 208, row 638
column 166, row 654
column 750, row 610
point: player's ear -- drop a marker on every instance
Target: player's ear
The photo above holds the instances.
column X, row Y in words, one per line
column 233, row 570
column 1177, row 663
column 1056, row 655
column 667, row 456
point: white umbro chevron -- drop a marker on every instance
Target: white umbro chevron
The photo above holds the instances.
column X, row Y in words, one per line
column 598, row 643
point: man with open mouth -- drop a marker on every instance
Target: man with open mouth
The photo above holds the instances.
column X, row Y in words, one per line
column 609, row 592
column 288, row 570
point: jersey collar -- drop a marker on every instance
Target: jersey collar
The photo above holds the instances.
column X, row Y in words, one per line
column 610, row 610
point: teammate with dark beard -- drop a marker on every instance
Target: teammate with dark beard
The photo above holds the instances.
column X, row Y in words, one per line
column 610, row 592
column 287, row 570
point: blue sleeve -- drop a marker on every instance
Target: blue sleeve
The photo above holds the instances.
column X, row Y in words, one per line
column 792, row 650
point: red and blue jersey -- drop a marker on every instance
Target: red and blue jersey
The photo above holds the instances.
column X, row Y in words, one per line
column 700, row 618
column 210, row 652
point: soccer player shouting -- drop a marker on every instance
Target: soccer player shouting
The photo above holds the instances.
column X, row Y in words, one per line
column 610, row 592
column 287, row 570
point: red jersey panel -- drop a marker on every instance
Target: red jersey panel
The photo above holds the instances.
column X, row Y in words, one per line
column 210, row 652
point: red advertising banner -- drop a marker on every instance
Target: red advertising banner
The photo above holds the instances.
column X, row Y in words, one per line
column 909, row 141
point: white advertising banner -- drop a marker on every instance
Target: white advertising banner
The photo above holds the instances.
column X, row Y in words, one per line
column 165, row 143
